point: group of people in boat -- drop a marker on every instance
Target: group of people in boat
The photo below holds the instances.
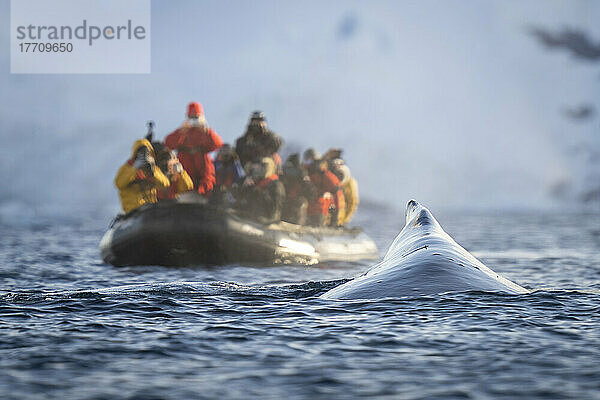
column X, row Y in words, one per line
column 250, row 177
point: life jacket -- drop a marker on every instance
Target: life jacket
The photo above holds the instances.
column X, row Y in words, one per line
column 266, row 181
column 179, row 184
column 326, row 182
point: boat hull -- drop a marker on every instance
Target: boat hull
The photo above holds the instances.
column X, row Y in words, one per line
column 181, row 234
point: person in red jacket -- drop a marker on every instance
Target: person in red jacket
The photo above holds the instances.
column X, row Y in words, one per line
column 329, row 200
column 193, row 141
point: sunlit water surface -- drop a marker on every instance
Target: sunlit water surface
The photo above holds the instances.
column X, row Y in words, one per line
column 73, row 327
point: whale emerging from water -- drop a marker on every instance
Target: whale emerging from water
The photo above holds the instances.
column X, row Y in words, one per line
column 423, row 259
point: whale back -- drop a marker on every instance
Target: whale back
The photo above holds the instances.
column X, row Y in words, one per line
column 423, row 259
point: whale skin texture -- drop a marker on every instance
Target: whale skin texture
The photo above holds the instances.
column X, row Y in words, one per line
column 423, row 260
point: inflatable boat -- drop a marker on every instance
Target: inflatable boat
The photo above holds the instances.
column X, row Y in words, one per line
column 193, row 232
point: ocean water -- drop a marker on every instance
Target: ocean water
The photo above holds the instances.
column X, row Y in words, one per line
column 73, row 327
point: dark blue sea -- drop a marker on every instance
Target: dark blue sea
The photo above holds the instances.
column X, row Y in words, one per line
column 72, row 327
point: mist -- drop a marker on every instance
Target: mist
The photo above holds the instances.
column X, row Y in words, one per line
column 451, row 103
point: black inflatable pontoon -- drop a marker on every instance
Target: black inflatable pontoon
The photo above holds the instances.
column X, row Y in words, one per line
column 191, row 232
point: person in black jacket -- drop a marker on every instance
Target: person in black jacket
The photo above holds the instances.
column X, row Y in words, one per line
column 262, row 195
column 298, row 189
column 258, row 142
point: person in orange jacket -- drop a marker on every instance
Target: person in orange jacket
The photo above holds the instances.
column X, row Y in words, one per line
column 329, row 199
column 193, row 141
column 139, row 179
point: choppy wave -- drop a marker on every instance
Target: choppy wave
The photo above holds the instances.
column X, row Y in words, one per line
column 73, row 327
column 186, row 339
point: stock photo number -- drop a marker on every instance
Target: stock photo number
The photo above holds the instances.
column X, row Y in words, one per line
column 34, row 47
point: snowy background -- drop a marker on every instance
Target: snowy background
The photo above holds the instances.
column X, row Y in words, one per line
column 453, row 103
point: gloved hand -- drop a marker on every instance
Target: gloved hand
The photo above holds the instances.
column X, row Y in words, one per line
column 175, row 167
column 140, row 162
column 147, row 168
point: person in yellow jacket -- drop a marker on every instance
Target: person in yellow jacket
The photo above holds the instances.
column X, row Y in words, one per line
column 169, row 164
column 349, row 187
column 139, row 178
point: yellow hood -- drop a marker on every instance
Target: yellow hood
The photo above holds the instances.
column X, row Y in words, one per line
column 139, row 143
